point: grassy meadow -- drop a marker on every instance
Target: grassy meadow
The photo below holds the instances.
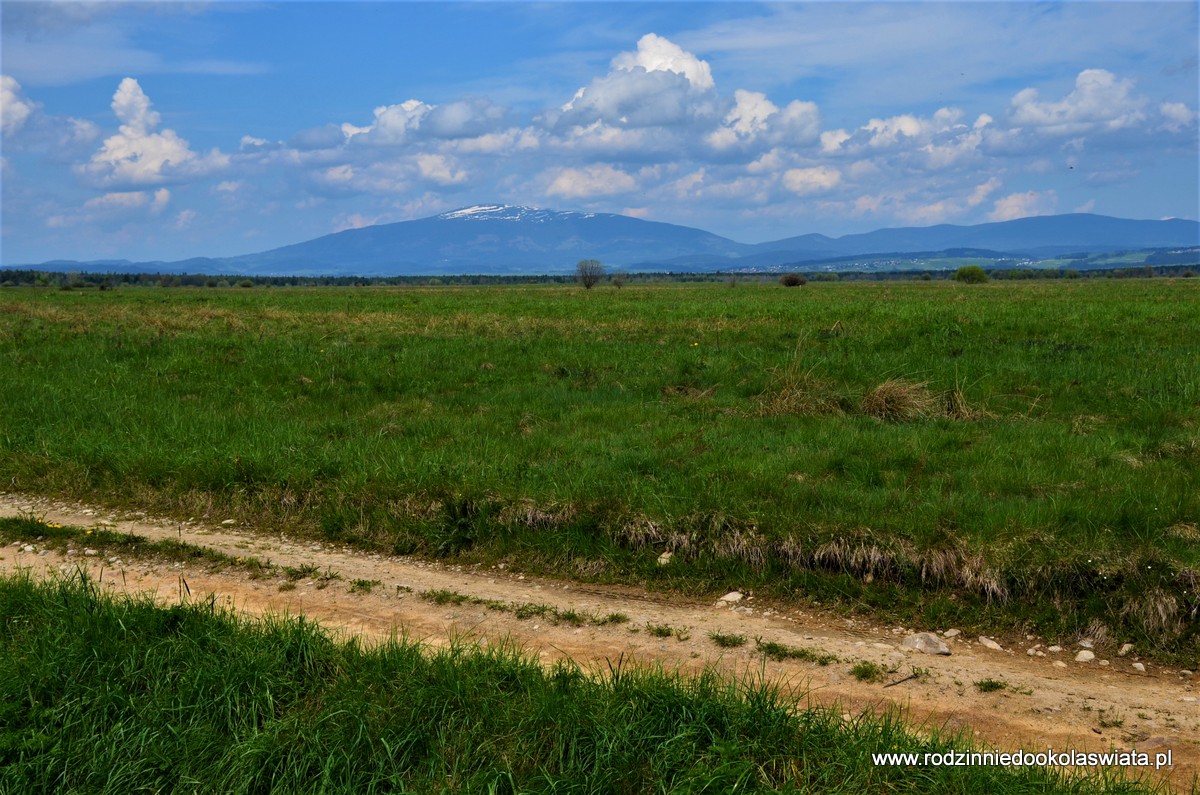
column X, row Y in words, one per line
column 107, row 695
column 1008, row 455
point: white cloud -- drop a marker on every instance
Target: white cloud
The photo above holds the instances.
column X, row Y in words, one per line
column 1023, row 205
column 832, row 140
column 769, row 163
column 138, row 154
column 883, row 133
column 981, row 192
column 1178, row 116
column 596, row 180
column 754, row 116
column 112, row 206
column 798, row 123
column 184, row 218
column 803, row 181
column 659, row 84
column 750, row 112
column 954, row 144
column 440, row 169
column 393, row 123
column 412, row 119
column 1100, row 101
column 122, row 200
column 657, row 54
column 15, row 109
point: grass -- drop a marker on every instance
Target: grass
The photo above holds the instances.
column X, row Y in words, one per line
column 781, row 651
column 727, row 641
column 1011, row 455
column 867, row 671
column 112, row 695
column 48, row 535
column 990, row 685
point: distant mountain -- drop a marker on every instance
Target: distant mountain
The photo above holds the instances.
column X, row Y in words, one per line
column 492, row 239
column 1040, row 235
column 509, row 239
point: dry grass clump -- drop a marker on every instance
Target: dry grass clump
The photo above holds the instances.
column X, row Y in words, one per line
column 898, row 400
column 527, row 513
column 1157, row 611
column 956, row 407
column 1185, row 531
column 798, row 394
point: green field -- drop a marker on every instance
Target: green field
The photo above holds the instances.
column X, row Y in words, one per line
column 104, row 695
column 1020, row 455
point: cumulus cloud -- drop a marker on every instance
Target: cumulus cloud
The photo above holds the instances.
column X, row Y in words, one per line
column 112, row 206
column 753, row 117
column 139, row 154
column 1177, row 116
column 659, row 84
column 657, row 54
column 15, row 108
column 803, row 181
column 596, row 180
column 635, row 99
column 413, row 119
column 1023, row 205
column 1100, row 101
column 440, row 169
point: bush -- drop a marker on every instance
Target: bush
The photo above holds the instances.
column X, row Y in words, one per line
column 792, row 280
column 245, row 283
column 970, row 274
column 588, row 272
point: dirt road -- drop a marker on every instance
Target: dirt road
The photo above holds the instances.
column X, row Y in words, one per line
column 1048, row 701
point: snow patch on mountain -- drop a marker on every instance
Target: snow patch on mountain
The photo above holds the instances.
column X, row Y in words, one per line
column 508, row 212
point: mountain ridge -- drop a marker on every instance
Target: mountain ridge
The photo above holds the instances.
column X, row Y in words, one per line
column 500, row 238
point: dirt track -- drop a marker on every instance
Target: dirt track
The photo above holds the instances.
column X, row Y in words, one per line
column 1083, row 706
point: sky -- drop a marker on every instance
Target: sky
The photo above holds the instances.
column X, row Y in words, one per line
column 162, row 131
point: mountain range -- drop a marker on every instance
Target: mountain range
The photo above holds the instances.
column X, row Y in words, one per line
column 512, row 239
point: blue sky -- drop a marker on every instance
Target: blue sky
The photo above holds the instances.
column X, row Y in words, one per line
column 170, row 130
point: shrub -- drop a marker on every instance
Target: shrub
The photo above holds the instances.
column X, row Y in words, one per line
column 970, row 274
column 588, row 272
column 245, row 283
column 792, row 280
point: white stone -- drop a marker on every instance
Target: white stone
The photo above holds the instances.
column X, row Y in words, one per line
column 1085, row 656
column 1125, row 649
column 732, row 596
column 1054, row 649
column 229, row 523
column 664, row 558
column 1141, row 669
column 951, row 633
column 1104, row 662
column 987, row 642
column 1059, row 664
column 926, row 643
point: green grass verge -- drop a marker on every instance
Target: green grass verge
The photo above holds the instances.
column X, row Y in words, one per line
column 1016, row 455
column 115, row 695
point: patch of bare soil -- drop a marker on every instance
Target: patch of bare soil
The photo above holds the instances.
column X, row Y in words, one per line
column 1048, row 702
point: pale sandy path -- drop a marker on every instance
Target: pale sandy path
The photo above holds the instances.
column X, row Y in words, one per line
column 1083, row 706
